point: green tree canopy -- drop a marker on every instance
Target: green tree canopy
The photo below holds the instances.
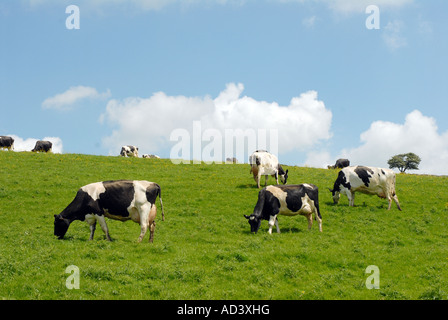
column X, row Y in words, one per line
column 405, row 161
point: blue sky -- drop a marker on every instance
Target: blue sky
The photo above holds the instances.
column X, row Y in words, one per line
column 137, row 70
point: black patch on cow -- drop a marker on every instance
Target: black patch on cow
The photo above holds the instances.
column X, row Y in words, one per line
column 152, row 192
column 295, row 193
column 342, row 163
column 341, row 181
column 42, row 146
column 117, row 197
column 363, row 174
column 271, row 205
column 6, row 141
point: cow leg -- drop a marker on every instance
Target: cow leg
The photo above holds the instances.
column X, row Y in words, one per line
column 92, row 230
column 316, row 216
column 273, row 221
column 266, row 180
column 309, row 217
column 144, row 214
column 102, row 220
column 396, row 201
column 147, row 216
column 395, row 198
column 276, row 224
column 276, row 177
column 258, row 179
column 152, row 222
column 91, row 220
column 351, row 198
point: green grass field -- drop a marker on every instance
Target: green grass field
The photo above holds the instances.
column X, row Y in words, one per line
column 204, row 248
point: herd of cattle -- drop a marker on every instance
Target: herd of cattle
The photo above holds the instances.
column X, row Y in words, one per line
column 135, row 200
column 7, row 142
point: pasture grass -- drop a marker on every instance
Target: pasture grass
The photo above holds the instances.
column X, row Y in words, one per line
column 204, row 248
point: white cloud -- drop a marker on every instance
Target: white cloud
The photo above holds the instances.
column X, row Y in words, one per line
column 309, row 22
column 149, row 122
column 67, row 99
column 349, row 6
column 146, row 5
column 28, row 144
column 341, row 6
column 319, row 159
column 393, row 35
column 419, row 134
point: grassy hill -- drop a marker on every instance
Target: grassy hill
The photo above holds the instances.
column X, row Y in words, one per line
column 204, row 248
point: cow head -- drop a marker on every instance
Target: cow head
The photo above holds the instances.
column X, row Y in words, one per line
column 282, row 174
column 60, row 226
column 336, row 195
column 254, row 222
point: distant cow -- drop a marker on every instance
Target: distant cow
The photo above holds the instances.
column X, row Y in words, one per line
column 44, row 146
column 340, row 163
column 287, row 200
column 129, row 151
column 231, row 160
column 368, row 180
column 150, row 156
column 119, row 200
column 262, row 163
column 6, row 142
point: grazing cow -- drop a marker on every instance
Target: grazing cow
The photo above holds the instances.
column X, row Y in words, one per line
column 6, row 143
column 150, row 156
column 340, row 163
column 262, row 163
column 287, row 200
column 368, row 180
column 231, row 160
column 119, row 200
column 129, row 151
column 44, row 146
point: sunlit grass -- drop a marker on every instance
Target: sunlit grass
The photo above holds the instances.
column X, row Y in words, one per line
column 204, row 248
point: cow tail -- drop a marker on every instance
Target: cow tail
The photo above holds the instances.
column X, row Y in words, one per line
column 318, row 211
column 161, row 204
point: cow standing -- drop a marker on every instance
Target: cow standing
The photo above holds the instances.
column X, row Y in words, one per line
column 119, row 200
column 287, row 200
column 44, row 146
column 6, row 143
column 129, row 151
column 368, row 180
column 263, row 163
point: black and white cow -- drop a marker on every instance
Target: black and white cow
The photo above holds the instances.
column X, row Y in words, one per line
column 6, row 142
column 340, row 163
column 263, row 163
column 150, row 156
column 289, row 200
column 368, row 180
column 44, row 146
column 129, row 151
column 231, row 160
column 119, row 200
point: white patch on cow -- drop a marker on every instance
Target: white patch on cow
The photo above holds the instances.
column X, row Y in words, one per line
column 307, row 205
column 308, row 186
column 94, row 190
